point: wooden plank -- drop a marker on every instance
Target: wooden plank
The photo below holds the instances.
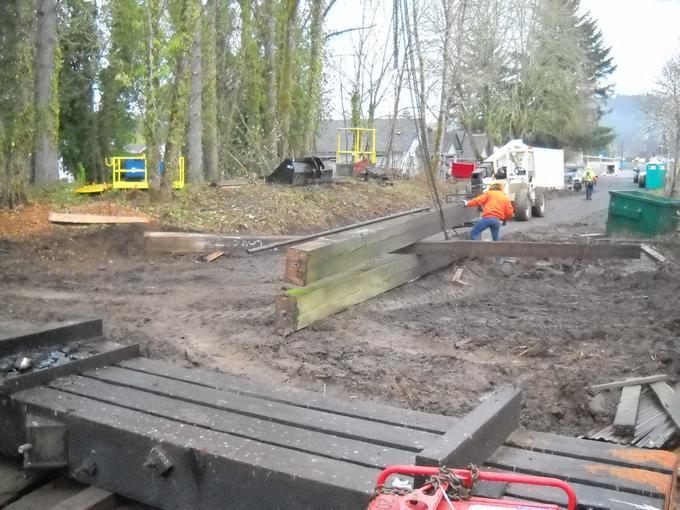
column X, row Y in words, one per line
column 69, row 331
column 14, row 482
column 299, row 307
column 374, row 411
column 632, row 381
column 188, row 242
column 632, row 480
column 394, row 436
column 626, row 411
column 109, row 354
column 47, row 495
column 527, row 249
column 669, row 399
column 327, row 256
column 653, row 254
column 212, row 256
column 478, row 434
column 597, row 451
column 91, row 498
column 206, row 465
column 370, row 452
column 56, row 217
column 588, row 497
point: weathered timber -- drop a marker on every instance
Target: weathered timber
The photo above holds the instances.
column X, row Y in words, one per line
column 669, row 399
column 653, row 254
column 633, row 381
column 47, row 495
column 318, row 259
column 111, row 447
column 379, row 413
column 108, row 353
column 596, row 451
column 336, row 230
column 588, row 497
column 88, row 219
column 299, row 307
column 626, row 480
column 69, row 331
column 478, row 434
column 246, row 417
column 527, row 249
column 14, row 483
column 186, row 242
column 627, row 410
column 91, row 498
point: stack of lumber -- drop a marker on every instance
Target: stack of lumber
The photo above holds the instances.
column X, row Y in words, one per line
column 648, row 413
column 335, row 272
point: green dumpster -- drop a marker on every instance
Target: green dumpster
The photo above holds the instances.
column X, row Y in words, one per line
column 656, row 176
column 642, row 214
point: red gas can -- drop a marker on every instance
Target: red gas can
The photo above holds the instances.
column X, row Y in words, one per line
column 448, row 489
column 460, row 170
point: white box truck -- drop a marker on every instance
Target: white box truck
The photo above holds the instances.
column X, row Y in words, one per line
column 525, row 172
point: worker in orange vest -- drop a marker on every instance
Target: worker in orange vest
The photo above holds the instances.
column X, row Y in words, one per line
column 496, row 210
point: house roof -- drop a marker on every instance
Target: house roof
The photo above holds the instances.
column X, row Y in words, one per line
column 404, row 134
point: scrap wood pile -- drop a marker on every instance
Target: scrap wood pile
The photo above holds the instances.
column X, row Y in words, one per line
column 648, row 413
column 335, row 272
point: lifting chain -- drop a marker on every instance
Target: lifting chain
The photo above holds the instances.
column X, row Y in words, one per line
column 455, row 487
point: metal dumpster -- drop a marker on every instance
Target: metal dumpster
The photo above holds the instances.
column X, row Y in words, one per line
column 642, row 214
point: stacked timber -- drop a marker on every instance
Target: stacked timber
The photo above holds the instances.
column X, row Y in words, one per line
column 335, row 272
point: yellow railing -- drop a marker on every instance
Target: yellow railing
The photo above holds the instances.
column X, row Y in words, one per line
column 122, row 178
column 359, row 144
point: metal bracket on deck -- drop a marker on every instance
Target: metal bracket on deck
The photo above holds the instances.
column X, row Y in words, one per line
column 45, row 446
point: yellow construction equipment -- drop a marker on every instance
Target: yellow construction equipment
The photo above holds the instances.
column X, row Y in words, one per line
column 130, row 172
column 356, row 144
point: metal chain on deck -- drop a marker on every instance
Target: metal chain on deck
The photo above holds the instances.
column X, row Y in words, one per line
column 455, row 486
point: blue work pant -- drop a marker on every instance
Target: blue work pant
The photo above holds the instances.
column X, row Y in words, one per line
column 494, row 224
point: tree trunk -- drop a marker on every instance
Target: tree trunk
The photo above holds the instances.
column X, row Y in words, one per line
column 45, row 158
column 181, row 90
column 210, row 140
column 195, row 131
column 270, row 124
column 157, row 191
column 440, row 128
column 286, row 84
column 315, row 70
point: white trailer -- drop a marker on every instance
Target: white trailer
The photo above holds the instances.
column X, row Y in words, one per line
column 549, row 168
column 525, row 173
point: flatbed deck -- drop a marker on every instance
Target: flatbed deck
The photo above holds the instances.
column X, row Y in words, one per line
column 178, row 438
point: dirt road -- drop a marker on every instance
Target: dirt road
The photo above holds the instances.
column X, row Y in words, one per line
column 552, row 326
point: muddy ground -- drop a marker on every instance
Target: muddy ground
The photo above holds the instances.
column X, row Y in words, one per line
column 552, row 326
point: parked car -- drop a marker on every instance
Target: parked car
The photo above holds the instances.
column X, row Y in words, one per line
column 573, row 177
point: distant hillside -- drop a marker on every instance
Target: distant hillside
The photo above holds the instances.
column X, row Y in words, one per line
column 628, row 120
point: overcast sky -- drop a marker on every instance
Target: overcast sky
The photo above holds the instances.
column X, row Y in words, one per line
column 643, row 35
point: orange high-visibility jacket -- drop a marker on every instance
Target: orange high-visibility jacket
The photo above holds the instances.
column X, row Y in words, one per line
column 495, row 204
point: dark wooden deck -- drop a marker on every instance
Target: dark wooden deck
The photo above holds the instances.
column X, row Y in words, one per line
column 186, row 438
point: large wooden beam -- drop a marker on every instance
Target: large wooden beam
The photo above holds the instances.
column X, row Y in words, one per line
column 477, row 435
column 320, row 258
column 299, row 307
column 188, row 242
column 529, row 249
